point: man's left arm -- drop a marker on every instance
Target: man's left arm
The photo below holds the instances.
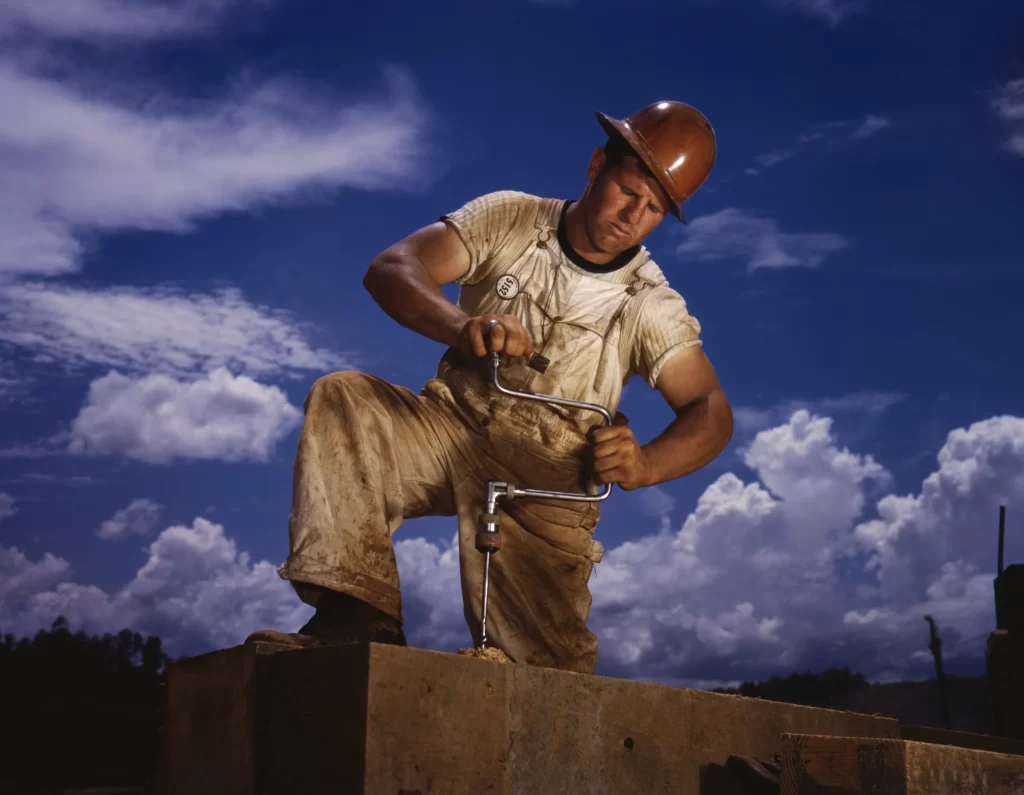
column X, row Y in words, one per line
column 702, row 428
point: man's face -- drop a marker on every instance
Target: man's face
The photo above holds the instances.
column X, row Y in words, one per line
column 624, row 204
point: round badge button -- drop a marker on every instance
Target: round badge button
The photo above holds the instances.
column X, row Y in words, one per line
column 507, row 287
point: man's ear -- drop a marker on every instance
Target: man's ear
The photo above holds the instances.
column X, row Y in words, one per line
column 597, row 159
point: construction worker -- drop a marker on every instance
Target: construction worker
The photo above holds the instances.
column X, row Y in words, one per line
column 570, row 281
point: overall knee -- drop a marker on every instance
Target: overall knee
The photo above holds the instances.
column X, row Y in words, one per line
column 334, row 386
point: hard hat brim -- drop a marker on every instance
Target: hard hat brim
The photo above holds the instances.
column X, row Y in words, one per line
column 617, row 128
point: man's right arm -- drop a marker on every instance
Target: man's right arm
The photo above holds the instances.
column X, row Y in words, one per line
column 406, row 279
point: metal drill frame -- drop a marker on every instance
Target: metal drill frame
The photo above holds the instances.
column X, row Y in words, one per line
column 496, row 489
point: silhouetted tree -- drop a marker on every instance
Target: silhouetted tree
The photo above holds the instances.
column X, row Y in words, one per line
column 812, row 690
column 80, row 710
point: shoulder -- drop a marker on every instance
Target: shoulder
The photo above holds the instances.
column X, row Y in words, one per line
column 497, row 206
column 661, row 301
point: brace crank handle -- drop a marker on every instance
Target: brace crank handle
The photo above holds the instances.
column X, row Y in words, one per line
column 536, row 361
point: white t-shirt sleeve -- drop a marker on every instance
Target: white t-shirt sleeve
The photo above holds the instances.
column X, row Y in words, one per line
column 484, row 225
column 665, row 328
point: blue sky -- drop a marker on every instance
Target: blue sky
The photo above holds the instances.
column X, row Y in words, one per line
column 190, row 192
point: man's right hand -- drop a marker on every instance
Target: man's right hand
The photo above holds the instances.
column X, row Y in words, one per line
column 509, row 336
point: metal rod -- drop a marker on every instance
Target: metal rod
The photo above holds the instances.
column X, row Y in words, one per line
column 1002, row 536
column 483, row 620
column 496, row 364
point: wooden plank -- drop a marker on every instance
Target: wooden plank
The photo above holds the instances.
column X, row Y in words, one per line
column 821, row 765
column 938, row 770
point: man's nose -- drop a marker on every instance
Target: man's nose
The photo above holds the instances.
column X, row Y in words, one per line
column 633, row 211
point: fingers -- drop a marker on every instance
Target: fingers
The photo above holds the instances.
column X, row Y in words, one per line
column 477, row 344
column 496, row 339
column 508, row 336
column 609, row 433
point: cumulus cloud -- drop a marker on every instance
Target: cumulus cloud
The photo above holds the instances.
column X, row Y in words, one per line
column 75, row 162
column 1009, row 104
column 21, row 579
column 161, row 330
column 734, row 234
column 139, row 518
column 112, row 19
column 773, row 575
column 196, row 590
column 158, row 419
column 783, row 573
column 432, row 594
column 7, row 508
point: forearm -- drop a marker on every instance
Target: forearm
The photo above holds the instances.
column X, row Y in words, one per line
column 404, row 289
column 699, row 433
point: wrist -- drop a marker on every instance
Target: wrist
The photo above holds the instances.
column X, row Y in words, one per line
column 648, row 469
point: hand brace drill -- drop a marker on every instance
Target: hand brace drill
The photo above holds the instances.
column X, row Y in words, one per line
column 488, row 537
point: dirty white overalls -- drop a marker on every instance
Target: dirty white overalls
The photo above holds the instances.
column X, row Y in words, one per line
column 371, row 454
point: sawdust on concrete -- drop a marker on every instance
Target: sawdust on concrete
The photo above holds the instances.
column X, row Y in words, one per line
column 489, row 653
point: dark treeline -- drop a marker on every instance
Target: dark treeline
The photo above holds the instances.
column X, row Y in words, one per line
column 80, row 710
column 826, row 689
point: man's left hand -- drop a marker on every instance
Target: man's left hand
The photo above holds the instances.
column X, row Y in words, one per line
column 617, row 456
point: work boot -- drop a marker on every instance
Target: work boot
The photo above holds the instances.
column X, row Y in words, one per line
column 339, row 619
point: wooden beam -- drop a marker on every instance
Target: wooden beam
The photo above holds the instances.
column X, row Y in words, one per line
column 823, row 765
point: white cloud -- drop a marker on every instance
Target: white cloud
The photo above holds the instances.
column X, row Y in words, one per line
column 774, row 158
column 156, row 330
column 734, row 234
column 7, row 509
column 139, row 518
column 832, row 12
column 657, row 502
column 980, row 467
column 111, row 19
column 195, row 590
column 21, row 579
column 770, row 576
column 432, row 594
column 1009, row 104
column 763, row 577
column 75, row 162
column 49, row 479
column 871, row 125
column 864, row 404
column 158, row 419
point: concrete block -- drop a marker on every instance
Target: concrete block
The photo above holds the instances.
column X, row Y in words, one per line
column 815, row 765
column 384, row 720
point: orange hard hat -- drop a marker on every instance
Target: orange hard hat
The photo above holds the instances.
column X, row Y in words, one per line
column 674, row 140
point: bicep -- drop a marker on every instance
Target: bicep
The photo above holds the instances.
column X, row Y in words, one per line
column 687, row 377
column 437, row 247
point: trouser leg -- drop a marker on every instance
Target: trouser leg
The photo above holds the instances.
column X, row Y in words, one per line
column 539, row 600
column 370, row 454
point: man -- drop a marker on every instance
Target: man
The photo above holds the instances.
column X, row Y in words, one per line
column 570, row 281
